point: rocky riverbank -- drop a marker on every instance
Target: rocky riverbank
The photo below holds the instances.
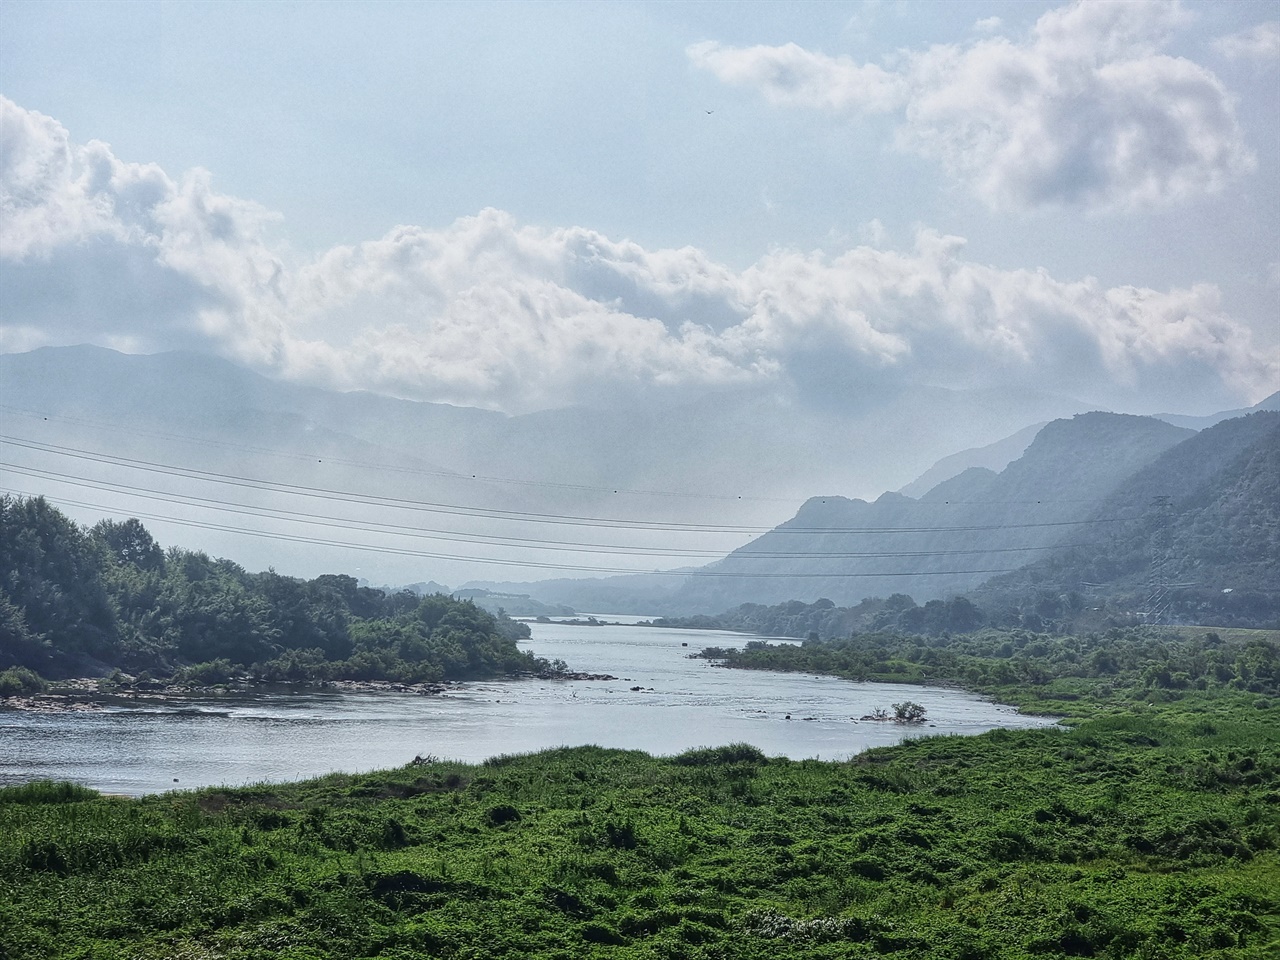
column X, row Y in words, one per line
column 89, row 694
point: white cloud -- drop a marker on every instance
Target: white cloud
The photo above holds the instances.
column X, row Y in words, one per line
column 88, row 241
column 1261, row 42
column 792, row 76
column 489, row 312
column 1086, row 112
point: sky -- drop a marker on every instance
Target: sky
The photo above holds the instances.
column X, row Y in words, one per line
column 525, row 206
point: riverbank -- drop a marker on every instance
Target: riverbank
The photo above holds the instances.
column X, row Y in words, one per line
column 282, row 733
column 1147, row 831
column 91, row 694
column 1059, row 675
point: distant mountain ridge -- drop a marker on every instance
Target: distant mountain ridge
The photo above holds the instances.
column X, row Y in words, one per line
column 1203, row 541
column 994, row 457
column 1094, row 481
column 394, row 490
column 737, row 457
column 954, row 537
column 1271, row 403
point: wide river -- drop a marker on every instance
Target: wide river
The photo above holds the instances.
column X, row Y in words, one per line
column 682, row 703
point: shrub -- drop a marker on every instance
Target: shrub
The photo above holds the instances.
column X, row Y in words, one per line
column 19, row 680
column 503, row 813
column 209, row 673
column 718, row 756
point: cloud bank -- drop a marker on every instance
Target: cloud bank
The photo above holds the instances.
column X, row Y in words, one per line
column 489, row 312
column 1086, row 112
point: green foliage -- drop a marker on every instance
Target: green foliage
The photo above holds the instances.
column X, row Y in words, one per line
column 823, row 619
column 46, row 791
column 128, row 543
column 51, row 586
column 721, row 756
column 908, row 711
column 17, row 681
column 73, row 601
column 1140, row 833
column 1064, row 675
column 208, row 674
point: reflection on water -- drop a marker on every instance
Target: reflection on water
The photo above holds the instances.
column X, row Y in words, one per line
column 681, row 703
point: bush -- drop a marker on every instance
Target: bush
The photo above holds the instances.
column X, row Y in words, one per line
column 19, row 680
column 209, row 673
column 719, row 756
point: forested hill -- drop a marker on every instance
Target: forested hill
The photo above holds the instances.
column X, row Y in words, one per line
column 1202, row 547
column 952, row 538
column 76, row 602
column 1204, row 544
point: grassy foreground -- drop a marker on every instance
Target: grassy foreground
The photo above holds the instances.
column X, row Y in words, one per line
column 1148, row 832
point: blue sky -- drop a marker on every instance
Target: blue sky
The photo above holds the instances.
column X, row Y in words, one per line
column 522, row 206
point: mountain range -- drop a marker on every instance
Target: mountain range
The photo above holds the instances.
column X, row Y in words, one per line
column 666, row 486
column 1203, row 544
column 395, row 491
column 1157, row 519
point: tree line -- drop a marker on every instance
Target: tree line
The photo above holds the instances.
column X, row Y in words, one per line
column 1055, row 674
column 76, row 600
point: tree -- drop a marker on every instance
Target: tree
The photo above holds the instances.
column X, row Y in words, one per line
column 129, row 542
column 908, row 711
column 50, row 572
column 962, row 615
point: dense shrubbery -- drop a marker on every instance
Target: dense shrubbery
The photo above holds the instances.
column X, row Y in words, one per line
column 1055, row 674
column 75, row 600
column 1037, row 608
column 46, row 791
column 19, row 680
column 822, row 618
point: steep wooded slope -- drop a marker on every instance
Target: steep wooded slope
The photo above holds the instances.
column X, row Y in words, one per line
column 954, row 537
column 1203, row 543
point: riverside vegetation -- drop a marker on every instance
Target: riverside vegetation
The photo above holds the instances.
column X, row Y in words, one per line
column 1149, row 830
column 76, row 601
column 1055, row 674
column 1148, row 826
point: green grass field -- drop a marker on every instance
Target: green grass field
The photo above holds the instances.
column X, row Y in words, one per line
column 1148, row 831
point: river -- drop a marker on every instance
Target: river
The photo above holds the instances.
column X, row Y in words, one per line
column 680, row 703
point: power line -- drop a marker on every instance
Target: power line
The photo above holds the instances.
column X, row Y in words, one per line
column 451, row 536
column 384, row 467
column 399, row 551
column 347, row 496
column 488, row 478
column 493, row 513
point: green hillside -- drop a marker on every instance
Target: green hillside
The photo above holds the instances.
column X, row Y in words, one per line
column 1203, row 545
column 952, row 538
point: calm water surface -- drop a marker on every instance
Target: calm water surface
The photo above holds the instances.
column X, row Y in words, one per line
column 682, row 703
